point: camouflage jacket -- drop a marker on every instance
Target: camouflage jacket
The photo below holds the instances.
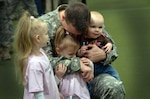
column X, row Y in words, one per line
column 53, row 22
column 71, row 63
column 113, row 54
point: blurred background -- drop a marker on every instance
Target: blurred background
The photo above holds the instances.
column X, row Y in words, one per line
column 128, row 22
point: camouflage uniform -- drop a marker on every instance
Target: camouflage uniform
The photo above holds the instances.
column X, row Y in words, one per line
column 71, row 63
column 17, row 7
column 53, row 22
column 6, row 26
column 107, row 87
column 6, row 30
column 68, row 1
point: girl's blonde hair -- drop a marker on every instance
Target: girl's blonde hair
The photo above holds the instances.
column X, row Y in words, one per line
column 27, row 28
column 63, row 40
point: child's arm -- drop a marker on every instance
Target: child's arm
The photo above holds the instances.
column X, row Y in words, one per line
column 74, row 64
column 105, row 44
column 60, row 70
column 61, row 96
column 107, row 47
column 39, row 95
column 89, row 63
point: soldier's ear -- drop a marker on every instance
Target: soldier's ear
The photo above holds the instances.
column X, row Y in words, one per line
column 57, row 50
column 63, row 17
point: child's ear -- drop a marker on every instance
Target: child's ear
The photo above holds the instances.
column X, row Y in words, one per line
column 37, row 38
column 57, row 50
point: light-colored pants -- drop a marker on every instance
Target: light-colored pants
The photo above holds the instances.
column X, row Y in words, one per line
column 72, row 97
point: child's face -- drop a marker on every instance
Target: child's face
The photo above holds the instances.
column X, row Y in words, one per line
column 95, row 27
column 68, row 52
column 44, row 37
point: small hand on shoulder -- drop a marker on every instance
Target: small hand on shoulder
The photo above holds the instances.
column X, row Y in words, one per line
column 108, row 47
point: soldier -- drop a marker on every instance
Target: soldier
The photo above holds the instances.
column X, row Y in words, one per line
column 75, row 19
column 17, row 7
column 6, row 31
column 70, row 1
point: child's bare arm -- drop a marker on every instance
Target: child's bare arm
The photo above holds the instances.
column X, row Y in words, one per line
column 60, row 70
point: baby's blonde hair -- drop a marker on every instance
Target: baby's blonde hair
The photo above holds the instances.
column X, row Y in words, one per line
column 97, row 14
column 27, row 28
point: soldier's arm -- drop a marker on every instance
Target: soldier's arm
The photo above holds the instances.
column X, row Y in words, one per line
column 110, row 57
column 72, row 64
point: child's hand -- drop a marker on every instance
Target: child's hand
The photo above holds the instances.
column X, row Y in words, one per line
column 107, row 48
column 88, row 63
column 82, row 51
column 86, row 72
column 85, row 61
column 61, row 96
column 60, row 71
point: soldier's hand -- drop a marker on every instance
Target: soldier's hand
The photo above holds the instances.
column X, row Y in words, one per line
column 95, row 54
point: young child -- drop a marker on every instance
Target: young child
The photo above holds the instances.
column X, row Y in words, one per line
column 95, row 36
column 72, row 86
column 36, row 71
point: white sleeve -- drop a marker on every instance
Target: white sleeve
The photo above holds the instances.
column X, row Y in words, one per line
column 92, row 65
column 39, row 95
column 57, row 80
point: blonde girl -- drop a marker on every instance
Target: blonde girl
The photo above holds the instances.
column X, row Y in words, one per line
column 72, row 86
column 36, row 72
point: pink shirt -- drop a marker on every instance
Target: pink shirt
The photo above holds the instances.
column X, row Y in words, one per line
column 74, row 85
column 40, row 77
